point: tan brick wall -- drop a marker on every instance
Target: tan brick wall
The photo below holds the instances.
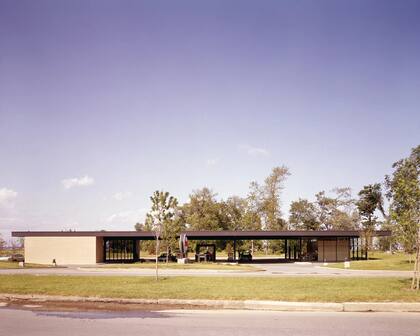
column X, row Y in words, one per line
column 65, row 250
column 327, row 250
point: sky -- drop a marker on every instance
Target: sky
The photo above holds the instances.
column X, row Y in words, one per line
column 104, row 102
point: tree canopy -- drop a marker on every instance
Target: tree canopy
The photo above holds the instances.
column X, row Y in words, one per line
column 260, row 209
column 404, row 195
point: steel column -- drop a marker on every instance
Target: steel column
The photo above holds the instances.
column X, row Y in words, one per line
column 300, row 249
column 285, row 249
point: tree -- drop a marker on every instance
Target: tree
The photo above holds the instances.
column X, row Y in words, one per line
column 252, row 218
column 240, row 215
column 161, row 217
column 139, row 226
column 146, row 245
column 2, row 243
column 404, row 194
column 303, row 215
column 265, row 201
column 271, row 191
column 234, row 210
column 16, row 244
column 336, row 213
column 202, row 211
column 325, row 206
column 370, row 200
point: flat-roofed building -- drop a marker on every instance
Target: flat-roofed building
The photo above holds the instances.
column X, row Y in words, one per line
column 91, row 247
column 82, row 247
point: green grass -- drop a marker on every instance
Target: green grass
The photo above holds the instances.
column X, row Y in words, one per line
column 15, row 264
column 211, row 266
column 380, row 261
column 314, row 289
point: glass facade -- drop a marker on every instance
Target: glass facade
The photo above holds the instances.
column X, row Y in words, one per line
column 121, row 250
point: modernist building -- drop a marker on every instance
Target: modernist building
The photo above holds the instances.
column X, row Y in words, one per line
column 91, row 247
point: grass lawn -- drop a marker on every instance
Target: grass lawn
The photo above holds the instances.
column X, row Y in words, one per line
column 212, row 266
column 15, row 264
column 380, row 261
column 316, row 289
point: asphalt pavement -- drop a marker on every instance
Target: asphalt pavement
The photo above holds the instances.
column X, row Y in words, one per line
column 276, row 270
column 33, row 321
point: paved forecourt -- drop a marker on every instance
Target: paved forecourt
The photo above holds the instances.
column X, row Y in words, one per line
column 262, row 270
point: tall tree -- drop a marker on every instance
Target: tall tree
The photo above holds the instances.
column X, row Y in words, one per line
column 404, row 194
column 336, row 212
column 253, row 216
column 325, row 208
column 161, row 217
column 370, row 200
column 271, row 205
column 303, row 215
column 202, row 211
column 234, row 210
column 266, row 200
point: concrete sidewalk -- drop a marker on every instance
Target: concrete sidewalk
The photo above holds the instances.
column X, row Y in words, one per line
column 232, row 304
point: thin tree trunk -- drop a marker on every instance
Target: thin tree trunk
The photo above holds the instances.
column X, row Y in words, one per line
column 167, row 253
column 157, row 254
column 418, row 273
column 416, row 276
column 414, row 281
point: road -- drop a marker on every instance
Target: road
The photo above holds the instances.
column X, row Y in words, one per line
column 277, row 270
column 19, row 322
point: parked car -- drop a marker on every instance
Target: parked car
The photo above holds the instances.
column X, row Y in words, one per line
column 171, row 257
column 245, row 256
column 16, row 257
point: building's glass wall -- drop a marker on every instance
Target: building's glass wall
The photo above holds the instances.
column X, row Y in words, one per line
column 303, row 249
column 120, row 250
column 309, row 250
column 358, row 249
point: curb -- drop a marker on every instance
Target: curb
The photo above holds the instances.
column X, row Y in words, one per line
column 381, row 307
column 236, row 304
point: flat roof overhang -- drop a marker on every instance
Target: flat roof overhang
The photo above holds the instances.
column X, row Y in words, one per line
column 265, row 235
column 144, row 235
column 206, row 235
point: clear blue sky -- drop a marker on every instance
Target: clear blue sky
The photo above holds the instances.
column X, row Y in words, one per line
column 102, row 102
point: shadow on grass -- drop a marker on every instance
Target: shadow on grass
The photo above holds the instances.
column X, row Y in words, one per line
column 406, row 262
